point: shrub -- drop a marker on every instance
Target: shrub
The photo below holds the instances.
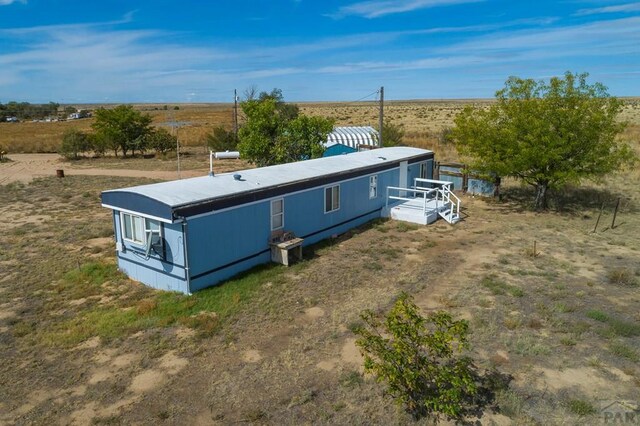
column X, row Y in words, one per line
column 74, row 142
column 161, row 141
column 419, row 358
column 622, row 276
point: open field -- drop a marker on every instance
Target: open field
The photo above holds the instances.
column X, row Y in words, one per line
column 422, row 120
column 82, row 344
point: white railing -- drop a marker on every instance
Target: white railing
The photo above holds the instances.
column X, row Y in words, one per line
column 424, row 193
column 442, row 194
column 452, row 199
column 442, row 183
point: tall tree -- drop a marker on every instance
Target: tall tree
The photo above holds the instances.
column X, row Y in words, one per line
column 275, row 133
column 123, row 126
column 545, row 134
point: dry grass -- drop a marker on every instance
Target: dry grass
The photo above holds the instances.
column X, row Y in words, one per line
column 197, row 120
column 423, row 122
column 80, row 342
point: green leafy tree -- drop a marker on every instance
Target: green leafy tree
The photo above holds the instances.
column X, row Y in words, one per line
column 273, row 134
column 123, row 127
column 258, row 136
column 303, row 139
column 545, row 134
column 420, row 359
column 161, row 140
column 286, row 110
column 74, row 142
column 97, row 144
column 221, row 140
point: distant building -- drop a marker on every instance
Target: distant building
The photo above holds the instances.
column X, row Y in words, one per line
column 348, row 139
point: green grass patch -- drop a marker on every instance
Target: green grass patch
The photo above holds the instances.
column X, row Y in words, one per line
column 88, row 279
column 405, row 227
column 598, row 315
column 624, row 328
column 623, row 351
column 617, row 327
column 563, row 308
column 581, row 407
column 204, row 311
column 499, row 287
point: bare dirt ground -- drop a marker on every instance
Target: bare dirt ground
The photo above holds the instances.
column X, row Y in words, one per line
column 82, row 344
column 287, row 355
column 25, row 167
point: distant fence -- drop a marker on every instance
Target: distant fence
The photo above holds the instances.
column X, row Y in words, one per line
column 461, row 179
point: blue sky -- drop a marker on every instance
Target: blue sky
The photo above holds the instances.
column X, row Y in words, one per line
column 199, row 51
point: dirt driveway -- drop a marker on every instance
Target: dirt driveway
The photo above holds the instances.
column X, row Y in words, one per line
column 26, row 167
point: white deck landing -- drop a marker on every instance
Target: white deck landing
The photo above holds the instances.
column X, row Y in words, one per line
column 414, row 211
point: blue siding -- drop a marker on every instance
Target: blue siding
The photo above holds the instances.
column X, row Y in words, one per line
column 224, row 243
column 153, row 278
column 164, row 272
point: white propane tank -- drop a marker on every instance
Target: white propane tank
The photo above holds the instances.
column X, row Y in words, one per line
column 227, row 155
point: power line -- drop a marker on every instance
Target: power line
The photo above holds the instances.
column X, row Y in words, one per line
column 363, row 98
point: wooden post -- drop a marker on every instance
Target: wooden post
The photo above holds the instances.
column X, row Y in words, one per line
column 615, row 213
column 598, row 221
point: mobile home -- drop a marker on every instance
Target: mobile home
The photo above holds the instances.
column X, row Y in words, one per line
column 189, row 234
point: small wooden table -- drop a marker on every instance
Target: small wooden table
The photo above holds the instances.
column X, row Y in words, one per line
column 280, row 251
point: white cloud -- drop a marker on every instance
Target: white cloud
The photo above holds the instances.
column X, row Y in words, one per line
column 92, row 62
column 377, row 8
column 629, row 7
column 600, row 38
column 8, row 2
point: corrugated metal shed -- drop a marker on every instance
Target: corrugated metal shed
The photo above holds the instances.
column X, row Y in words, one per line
column 353, row 136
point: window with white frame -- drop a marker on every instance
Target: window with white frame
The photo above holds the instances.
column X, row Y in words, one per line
column 141, row 231
column 373, row 186
column 277, row 214
column 331, row 198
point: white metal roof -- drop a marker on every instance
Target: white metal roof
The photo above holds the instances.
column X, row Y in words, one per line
column 352, row 136
column 194, row 190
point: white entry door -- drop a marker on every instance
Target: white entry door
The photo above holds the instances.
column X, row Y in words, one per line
column 403, row 177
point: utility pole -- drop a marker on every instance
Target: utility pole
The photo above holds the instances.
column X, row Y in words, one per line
column 381, row 115
column 178, row 151
column 235, row 113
